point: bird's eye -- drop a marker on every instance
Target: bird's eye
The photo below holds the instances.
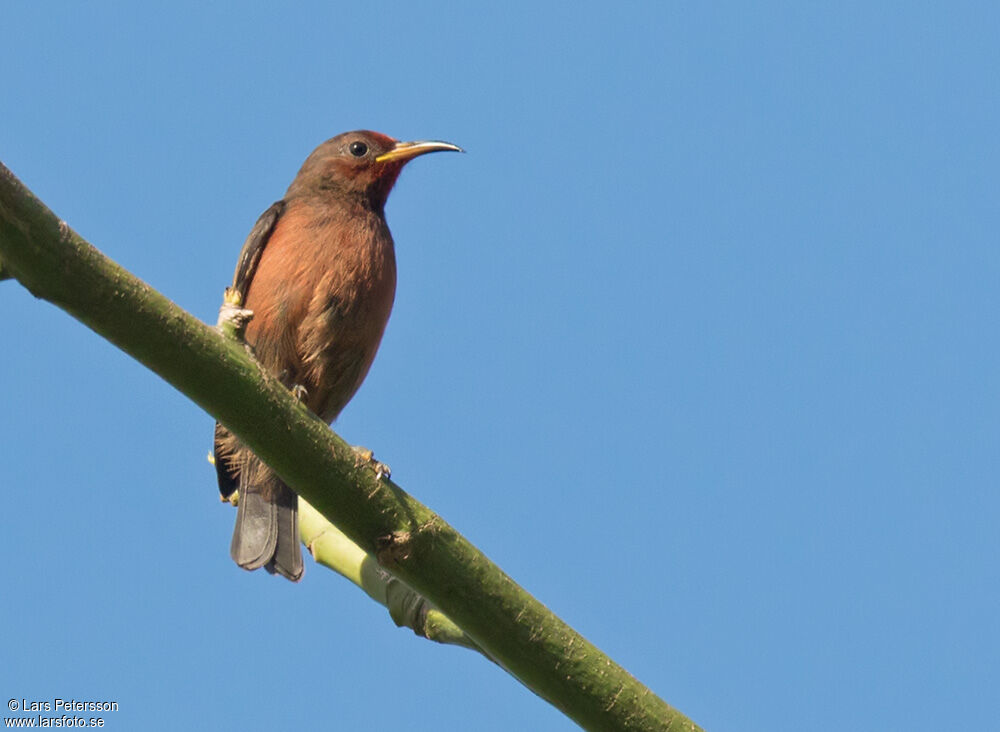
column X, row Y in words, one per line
column 358, row 149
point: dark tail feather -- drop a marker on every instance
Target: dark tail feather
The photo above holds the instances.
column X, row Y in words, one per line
column 267, row 529
column 256, row 531
column 286, row 559
column 267, row 533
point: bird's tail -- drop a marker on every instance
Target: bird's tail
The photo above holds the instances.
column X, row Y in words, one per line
column 267, row 533
column 267, row 518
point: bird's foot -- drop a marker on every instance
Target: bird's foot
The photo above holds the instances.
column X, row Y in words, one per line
column 232, row 296
column 364, row 456
column 299, row 392
column 233, row 318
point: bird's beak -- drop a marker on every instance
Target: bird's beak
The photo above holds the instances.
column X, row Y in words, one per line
column 409, row 150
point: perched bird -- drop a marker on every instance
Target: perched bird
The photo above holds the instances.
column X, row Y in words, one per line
column 318, row 271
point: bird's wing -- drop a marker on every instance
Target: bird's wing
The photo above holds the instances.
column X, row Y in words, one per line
column 226, row 444
column 253, row 247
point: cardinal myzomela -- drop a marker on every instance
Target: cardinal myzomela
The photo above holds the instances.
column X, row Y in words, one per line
column 318, row 271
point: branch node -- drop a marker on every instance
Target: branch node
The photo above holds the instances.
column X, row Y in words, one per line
column 393, row 548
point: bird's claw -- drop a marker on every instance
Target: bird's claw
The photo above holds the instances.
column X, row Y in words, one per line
column 364, row 456
column 232, row 296
column 233, row 318
column 299, row 392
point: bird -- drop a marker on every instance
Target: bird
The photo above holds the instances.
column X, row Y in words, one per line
column 318, row 274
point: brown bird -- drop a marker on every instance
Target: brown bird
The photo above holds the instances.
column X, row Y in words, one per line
column 318, row 270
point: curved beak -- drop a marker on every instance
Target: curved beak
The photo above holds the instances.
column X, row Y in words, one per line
column 409, row 150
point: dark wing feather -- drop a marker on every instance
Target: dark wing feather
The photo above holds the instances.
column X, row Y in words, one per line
column 225, row 443
column 253, row 247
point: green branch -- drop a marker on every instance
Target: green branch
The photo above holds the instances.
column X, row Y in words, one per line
column 408, row 609
column 406, row 538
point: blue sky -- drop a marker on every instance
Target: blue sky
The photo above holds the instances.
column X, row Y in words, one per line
column 698, row 342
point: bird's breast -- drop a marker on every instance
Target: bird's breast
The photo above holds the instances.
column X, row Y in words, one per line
column 321, row 298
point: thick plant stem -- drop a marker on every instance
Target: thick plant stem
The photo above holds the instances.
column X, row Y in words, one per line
column 404, row 536
column 331, row 548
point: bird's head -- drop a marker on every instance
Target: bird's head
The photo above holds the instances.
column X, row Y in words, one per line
column 360, row 164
